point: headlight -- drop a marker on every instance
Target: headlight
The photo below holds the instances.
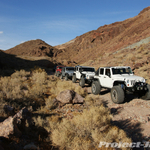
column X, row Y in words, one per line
column 127, row 81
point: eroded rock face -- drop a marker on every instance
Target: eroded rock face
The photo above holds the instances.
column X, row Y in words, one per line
column 10, row 125
column 70, row 97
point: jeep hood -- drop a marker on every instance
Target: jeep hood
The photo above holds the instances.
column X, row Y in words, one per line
column 128, row 77
column 89, row 73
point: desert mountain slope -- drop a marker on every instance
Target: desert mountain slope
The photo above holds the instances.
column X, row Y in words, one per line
column 107, row 39
column 33, row 48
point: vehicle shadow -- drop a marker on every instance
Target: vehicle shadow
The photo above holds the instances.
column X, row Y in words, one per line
column 132, row 129
column 130, row 97
column 105, row 91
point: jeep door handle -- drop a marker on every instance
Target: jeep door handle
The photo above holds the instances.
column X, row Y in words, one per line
column 104, row 77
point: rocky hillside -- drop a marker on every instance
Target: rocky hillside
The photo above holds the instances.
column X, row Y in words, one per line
column 36, row 48
column 107, row 39
column 121, row 43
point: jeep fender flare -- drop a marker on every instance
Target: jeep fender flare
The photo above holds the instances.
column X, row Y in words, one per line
column 95, row 79
column 117, row 82
column 83, row 75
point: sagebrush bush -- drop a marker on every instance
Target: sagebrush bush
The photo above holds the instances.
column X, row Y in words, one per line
column 11, row 87
column 59, row 86
column 21, row 73
column 85, row 131
column 24, row 88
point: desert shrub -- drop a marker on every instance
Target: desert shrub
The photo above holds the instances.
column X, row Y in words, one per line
column 20, row 74
column 81, row 91
column 50, row 103
column 59, row 86
column 24, row 88
column 11, row 87
column 85, row 131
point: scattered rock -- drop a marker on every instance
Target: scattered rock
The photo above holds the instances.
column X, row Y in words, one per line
column 10, row 125
column 70, row 97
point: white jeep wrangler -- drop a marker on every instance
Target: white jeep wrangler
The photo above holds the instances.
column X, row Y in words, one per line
column 120, row 80
column 83, row 74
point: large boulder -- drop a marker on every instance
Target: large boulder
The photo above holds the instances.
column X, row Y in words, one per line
column 69, row 97
column 10, row 125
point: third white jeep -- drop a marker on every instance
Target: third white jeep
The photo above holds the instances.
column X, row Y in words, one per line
column 120, row 80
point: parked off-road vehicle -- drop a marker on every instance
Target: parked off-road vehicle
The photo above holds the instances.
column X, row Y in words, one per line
column 58, row 70
column 83, row 74
column 67, row 72
column 121, row 81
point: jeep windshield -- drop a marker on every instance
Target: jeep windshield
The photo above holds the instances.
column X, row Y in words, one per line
column 88, row 69
column 70, row 68
column 122, row 71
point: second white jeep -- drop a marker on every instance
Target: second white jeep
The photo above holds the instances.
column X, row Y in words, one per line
column 120, row 80
column 84, row 74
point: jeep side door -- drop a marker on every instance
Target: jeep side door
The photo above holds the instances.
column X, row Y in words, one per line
column 105, row 78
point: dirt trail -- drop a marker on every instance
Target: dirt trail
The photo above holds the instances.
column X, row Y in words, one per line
column 133, row 115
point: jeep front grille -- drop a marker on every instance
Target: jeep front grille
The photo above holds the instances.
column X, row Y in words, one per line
column 133, row 82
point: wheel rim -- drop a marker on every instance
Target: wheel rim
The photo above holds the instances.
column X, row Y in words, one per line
column 93, row 88
column 114, row 95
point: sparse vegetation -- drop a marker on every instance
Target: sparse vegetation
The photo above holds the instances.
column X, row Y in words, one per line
column 83, row 130
column 86, row 130
column 78, row 126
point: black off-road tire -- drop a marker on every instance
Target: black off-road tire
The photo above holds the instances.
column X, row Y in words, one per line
column 96, row 87
column 146, row 94
column 74, row 78
column 66, row 77
column 117, row 94
column 82, row 82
